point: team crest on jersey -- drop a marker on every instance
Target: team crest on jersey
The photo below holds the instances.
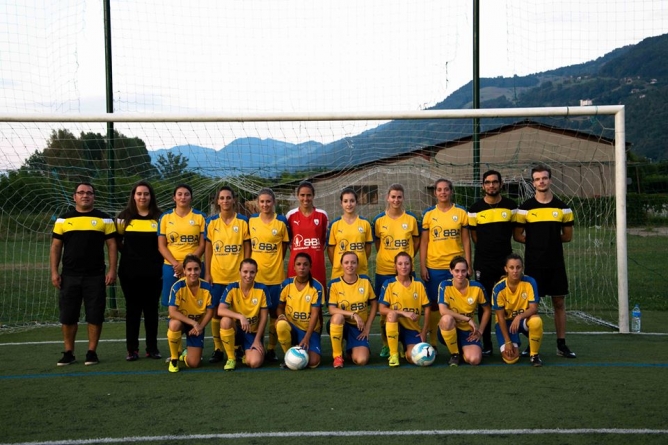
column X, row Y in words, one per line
column 504, row 215
column 235, row 229
column 192, row 222
column 455, row 218
column 274, row 232
column 307, row 298
column 404, row 226
column 254, row 301
column 361, row 290
column 316, row 221
column 524, row 295
column 94, row 222
column 415, row 296
column 469, row 300
column 360, row 229
column 199, row 302
column 154, row 225
column 555, row 214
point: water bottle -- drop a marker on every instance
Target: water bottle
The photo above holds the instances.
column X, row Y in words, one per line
column 635, row 319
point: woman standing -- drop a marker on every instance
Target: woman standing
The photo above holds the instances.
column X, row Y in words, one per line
column 140, row 268
column 349, row 232
column 180, row 233
column 458, row 302
column 299, row 311
column 190, row 310
column 402, row 301
column 394, row 231
column 445, row 235
column 269, row 243
column 227, row 245
column 243, row 312
column 353, row 306
column 308, row 231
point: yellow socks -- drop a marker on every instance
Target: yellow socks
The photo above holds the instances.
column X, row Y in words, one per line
column 450, row 338
column 434, row 318
column 336, row 335
column 535, row 325
column 174, row 340
column 392, row 329
column 227, row 340
column 283, row 332
column 215, row 332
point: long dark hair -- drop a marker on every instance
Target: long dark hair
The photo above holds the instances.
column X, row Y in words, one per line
column 310, row 263
column 130, row 212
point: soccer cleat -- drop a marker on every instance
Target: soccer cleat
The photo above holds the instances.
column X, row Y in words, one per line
column 402, row 353
column 394, row 360
column 338, row 362
column 231, row 365
column 243, row 359
column 487, row 352
column 68, row 359
column 91, row 358
column 454, row 360
column 536, row 361
column 564, row 351
column 173, row 365
column 217, row 356
column 526, row 352
column 270, row 356
column 132, row 356
column 385, row 352
column 184, row 354
column 155, row 354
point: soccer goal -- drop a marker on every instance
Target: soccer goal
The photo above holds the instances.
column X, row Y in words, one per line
column 44, row 156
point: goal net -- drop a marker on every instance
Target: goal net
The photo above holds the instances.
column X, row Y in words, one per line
column 44, row 156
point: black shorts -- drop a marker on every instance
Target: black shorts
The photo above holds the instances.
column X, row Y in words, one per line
column 552, row 282
column 91, row 290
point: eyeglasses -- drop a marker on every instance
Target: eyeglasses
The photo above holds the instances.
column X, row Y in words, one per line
column 82, row 193
column 491, row 183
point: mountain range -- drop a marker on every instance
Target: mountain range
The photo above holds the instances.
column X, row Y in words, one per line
column 635, row 76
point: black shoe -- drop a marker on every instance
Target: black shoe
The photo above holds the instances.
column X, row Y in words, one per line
column 239, row 353
column 454, row 360
column 91, row 358
column 563, row 351
column 132, row 356
column 270, row 356
column 155, row 354
column 217, row 356
column 536, row 362
column 68, row 359
column 487, row 352
column 526, row 352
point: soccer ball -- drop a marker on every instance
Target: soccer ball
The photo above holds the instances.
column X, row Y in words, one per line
column 296, row 358
column 423, row 354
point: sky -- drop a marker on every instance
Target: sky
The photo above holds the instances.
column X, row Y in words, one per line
column 210, row 56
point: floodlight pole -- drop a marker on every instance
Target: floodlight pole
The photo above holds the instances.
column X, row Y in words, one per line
column 110, row 125
column 476, row 96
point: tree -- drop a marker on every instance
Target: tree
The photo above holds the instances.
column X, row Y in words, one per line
column 172, row 166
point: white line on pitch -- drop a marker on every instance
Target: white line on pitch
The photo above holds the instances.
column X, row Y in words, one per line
column 299, row 434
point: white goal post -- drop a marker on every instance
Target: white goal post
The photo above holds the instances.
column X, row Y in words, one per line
column 28, row 121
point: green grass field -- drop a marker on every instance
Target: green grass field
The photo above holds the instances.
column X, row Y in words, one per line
column 617, row 382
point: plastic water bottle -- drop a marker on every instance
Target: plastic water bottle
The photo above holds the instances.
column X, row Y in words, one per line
column 635, row 319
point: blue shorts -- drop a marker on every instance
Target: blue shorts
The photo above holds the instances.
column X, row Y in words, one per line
column 193, row 341
column 515, row 338
column 435, row 278
column 244, row 339
column 273, row 295
column 168, row 280
column 217, row 291
column 298, row 336
column 350, row 334
column 408, row 336
column 378, row 283
column 462, row 339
